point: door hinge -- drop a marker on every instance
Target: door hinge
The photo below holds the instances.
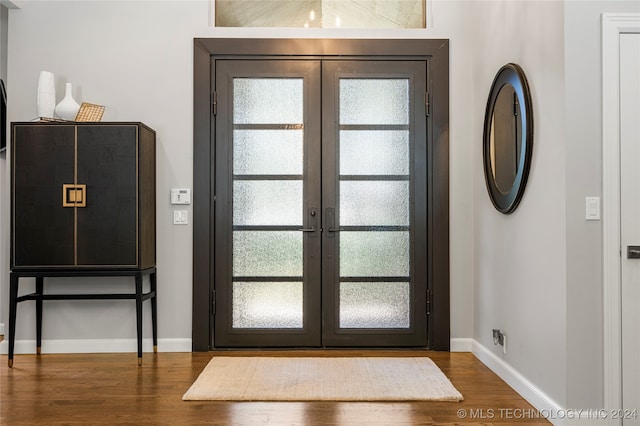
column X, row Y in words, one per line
column 213, row 302
column 214, row 102
column 428, row 305
column 427, row 104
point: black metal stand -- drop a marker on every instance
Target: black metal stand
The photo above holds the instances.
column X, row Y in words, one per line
column 39, row 296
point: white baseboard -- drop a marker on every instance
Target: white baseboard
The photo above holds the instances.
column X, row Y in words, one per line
column 460, row 345
column 544, row 404
column 83, row 346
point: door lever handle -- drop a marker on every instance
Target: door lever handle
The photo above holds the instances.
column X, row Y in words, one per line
column 312, row 223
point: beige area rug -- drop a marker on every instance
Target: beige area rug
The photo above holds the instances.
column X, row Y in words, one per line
column 322, row 379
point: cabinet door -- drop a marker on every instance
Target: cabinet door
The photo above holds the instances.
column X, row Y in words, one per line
column 43, row 230
column 107, row 226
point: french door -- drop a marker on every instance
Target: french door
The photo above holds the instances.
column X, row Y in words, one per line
column 320, row 203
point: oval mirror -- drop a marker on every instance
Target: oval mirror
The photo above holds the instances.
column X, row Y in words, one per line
column 508, row 138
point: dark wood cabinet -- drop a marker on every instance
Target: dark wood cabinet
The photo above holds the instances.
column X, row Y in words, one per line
column 82, row 204
column 83, row 195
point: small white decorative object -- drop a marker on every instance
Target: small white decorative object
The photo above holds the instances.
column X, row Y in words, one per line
column 46, row 94
column 68, row 107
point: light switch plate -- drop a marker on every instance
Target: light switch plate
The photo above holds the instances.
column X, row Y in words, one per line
column 592, row 206
column 180, row 196
column 180, row 217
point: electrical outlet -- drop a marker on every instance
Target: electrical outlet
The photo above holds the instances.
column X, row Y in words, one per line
column 498, row 337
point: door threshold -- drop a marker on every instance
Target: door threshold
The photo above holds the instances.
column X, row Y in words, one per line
column 320, row 352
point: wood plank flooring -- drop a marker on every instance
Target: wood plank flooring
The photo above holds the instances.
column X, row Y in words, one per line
column 93, row 389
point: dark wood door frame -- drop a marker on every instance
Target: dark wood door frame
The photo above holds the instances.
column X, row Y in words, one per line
column 434, row 51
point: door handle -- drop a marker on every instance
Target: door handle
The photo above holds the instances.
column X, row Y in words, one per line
column 312, row 221
column 74, row 195
column 633, row 252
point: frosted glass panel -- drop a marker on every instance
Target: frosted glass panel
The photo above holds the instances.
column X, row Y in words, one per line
column 375, row 305
column 267, row 152
column 373, row 14
column 267, row 253
column 267, row 305
column 374, row 101
column 368, row 152
column 374, row 254
column 374, row 203
column 267, row 101
column 321, row 13
column 267, row 202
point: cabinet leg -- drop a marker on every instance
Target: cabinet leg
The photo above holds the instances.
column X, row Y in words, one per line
column 39, row 291
column 13, row 306
column 139, row 315
column 154, row 309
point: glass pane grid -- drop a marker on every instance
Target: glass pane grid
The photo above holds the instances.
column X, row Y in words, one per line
column 374, row 204
column 267, row 203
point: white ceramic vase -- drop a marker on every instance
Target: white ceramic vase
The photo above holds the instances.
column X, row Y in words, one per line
column 46, row 94
column 68, row 108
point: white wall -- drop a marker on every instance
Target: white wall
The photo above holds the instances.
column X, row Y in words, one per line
column 538, row 272
column 4, row 171
column 519, row 258
column 136, row 59
column 4, row 31
column 584, row 178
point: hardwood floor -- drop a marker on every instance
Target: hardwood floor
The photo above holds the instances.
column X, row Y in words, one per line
column 91, row 389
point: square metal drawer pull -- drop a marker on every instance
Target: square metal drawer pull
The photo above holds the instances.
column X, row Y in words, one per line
column 74, row 195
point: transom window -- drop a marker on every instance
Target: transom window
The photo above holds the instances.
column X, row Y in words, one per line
column 321, row 13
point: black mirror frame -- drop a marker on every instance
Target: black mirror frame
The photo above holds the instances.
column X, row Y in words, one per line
column 509, row 74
